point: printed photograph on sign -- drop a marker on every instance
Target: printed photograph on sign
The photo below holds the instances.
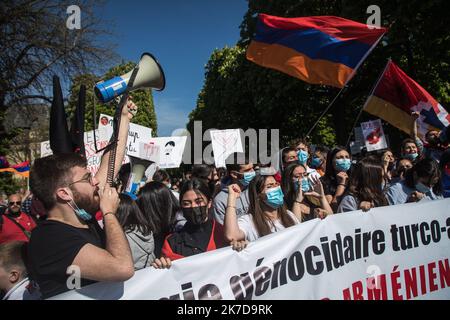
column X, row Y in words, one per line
column 374, row 135
column 93, row 159
column 167, row 152
column 137, row 134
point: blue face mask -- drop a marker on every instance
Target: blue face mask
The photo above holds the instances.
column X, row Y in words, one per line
column 422, row 188
column 316, row 162
column 81, row 213
column 343, row 165
column 275, row 197
column 304, row 185
column 411, row 156
column 248, row 177
column 302, row 156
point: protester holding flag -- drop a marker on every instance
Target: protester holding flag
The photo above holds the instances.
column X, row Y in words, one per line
column 304, row 198
column 432, row 147
column 138, row 231
column 411, row 150
column 267, row 211
column 336, row 177
column 365, row 190
column 401, row 101
column 201, row 233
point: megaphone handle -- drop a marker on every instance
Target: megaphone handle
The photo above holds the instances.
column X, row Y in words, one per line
column 116, row 127
column 114, row 139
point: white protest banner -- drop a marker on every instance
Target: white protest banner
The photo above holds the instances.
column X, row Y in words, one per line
column 224, row 143
column 374, row 135
column 93, row 159
column 136, row 134
column 167, row 152
column 396, row 252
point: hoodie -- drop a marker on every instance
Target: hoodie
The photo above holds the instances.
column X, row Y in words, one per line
column 142, row 248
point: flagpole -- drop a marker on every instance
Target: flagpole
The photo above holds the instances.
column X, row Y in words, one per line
column 346, row 84
column 367, row 100
column 325, row 111
column 364, row 58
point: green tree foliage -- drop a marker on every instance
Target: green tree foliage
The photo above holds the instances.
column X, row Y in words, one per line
column 143, row 98
column 238, row 93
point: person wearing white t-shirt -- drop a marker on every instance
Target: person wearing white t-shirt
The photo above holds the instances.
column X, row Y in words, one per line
column 267, row 212
column 303, row 154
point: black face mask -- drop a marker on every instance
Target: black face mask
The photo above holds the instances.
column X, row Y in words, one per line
column 195, row 215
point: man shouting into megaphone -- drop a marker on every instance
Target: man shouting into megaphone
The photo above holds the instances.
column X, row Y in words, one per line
column 69, row 249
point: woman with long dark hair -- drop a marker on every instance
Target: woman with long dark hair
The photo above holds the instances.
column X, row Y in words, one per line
column 201, row 233
column 160, row 208
column 336, row 176
column 267, row 212
column 365, row 190
column 208, row 174
column 422, row 181
column 303, row 196
column 138, row 231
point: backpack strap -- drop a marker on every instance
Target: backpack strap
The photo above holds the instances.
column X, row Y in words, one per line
column 25, row 232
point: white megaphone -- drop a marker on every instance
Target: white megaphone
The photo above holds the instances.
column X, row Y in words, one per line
column 150, row 75
column 138, row 167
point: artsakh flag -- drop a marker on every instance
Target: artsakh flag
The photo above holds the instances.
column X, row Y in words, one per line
column 396, row 96
column 319, row 50
column 22, row 169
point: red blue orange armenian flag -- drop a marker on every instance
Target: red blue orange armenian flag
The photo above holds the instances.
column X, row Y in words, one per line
column 323, row 50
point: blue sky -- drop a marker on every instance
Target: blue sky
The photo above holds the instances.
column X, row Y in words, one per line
column 182, row 35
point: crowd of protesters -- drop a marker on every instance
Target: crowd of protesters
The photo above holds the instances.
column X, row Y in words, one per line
column 75, row 221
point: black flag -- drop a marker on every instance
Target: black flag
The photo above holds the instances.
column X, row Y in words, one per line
column 77, row 125
column 60, row 140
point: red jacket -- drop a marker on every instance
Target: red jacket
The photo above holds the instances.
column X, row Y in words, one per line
column 216, row 240
column 9, row 231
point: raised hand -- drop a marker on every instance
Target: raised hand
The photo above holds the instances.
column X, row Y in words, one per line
column 416, row 196
column 234, row 191
column 366, row 206
column 162, row 263
column 109, row 199
column 342, row 178
column 317, row 188
column 239, row 245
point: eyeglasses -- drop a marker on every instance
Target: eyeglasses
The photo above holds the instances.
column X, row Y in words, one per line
column 88, row 178
column 15, row 202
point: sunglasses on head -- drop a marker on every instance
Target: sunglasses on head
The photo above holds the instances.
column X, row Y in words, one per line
column 15, row 202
